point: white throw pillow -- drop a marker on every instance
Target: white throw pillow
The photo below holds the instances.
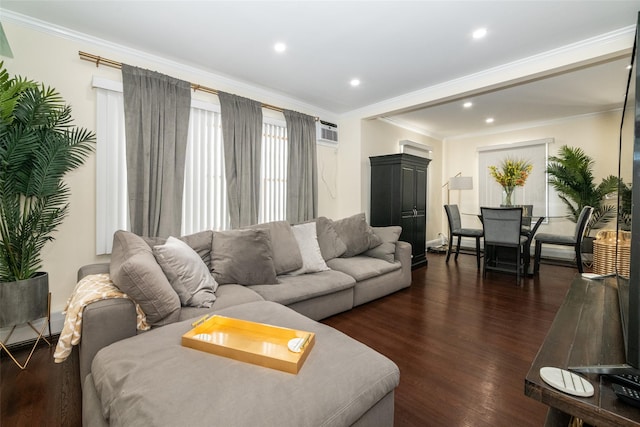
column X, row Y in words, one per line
column 307, row 239
column 187, row 273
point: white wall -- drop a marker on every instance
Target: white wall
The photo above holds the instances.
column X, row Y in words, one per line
column 349, row 166
column 52, row 58
column 380, row 137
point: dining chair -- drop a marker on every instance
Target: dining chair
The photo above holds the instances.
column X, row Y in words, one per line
column 504, row 243
column 529, row 233
column 456, row 230
column 556, row 239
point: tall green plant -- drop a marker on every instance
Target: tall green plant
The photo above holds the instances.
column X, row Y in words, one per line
column 571, row 175
column 38, row 146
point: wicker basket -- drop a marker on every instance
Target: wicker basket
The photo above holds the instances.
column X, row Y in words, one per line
column 604, row 253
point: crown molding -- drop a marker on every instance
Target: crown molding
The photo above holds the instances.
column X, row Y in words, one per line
column 527, row 125
column 228, row 82
column 608, row 46
column 605, row 46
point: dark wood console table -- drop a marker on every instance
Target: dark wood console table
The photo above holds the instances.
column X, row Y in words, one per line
column 585, row 331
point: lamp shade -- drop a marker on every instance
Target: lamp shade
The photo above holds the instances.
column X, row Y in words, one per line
column 461, row 183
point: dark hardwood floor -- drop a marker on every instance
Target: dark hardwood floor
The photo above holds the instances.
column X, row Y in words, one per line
column 46, row 394
column 463, row 344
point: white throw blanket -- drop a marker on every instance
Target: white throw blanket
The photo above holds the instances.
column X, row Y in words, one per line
column 93, row 287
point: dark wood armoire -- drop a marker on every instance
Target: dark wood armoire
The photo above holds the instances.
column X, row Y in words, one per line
column 399, row 197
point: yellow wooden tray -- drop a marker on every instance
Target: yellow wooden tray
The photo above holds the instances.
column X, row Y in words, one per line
column 250, row 342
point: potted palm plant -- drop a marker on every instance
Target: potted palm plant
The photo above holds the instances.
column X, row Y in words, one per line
column 38, row 146
column 571, row 175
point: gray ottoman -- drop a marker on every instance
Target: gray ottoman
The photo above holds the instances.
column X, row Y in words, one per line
column 151, row 380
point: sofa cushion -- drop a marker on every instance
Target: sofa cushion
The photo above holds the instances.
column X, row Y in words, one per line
column 312, row 261
column 152, row 380
column 299, row 288
column 356, row 234
column 286, row 254
column 199, row 242
column 387, row 249
column 226, row 296
column 330, row 244
column 363, row 267
column 243, row 256
column 134, row 271
column 187, row 273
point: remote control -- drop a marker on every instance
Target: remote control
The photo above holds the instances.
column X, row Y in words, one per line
column 627, row 394
column 625, row 379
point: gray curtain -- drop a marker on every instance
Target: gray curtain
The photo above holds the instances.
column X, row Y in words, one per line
column 242, row 136
column 156, row 109
column 302, row 174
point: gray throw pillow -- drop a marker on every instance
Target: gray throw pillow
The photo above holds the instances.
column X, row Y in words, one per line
column 243, row 256
column 330, row 244
column 387, row 249
column 199, row 242
column 356, row 235
column 134, row 271
column 187, row 273
column 286, row 254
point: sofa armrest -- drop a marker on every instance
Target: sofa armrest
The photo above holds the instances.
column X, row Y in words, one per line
column 88, row 269
column 403, row 254
column 104, row 322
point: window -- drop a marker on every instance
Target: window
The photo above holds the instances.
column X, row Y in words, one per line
column 111, row 169
column 204, row 203
column 534, row 192
column 273, row 171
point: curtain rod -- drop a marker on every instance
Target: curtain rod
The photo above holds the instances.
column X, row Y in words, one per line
column 115, row 64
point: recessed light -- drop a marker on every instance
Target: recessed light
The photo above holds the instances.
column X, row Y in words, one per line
column 355, row 82
column 489, row 120
column 468, row 104
column 280, row 47
column 479, row 33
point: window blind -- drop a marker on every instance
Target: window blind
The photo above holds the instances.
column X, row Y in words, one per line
column 205, row 195
column 535, row 190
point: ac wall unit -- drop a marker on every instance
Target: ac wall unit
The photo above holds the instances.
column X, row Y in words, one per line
column 327, row 132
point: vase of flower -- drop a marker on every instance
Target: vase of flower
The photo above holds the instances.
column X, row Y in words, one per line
column 507, row 195
column 512, row 173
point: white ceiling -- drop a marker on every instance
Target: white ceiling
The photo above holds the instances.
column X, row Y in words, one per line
column 394, row 47
column 588, row 90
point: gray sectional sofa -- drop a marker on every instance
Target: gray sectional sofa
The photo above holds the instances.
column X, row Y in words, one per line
column 273, row 273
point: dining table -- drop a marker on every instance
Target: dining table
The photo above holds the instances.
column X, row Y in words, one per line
column 529, row 230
